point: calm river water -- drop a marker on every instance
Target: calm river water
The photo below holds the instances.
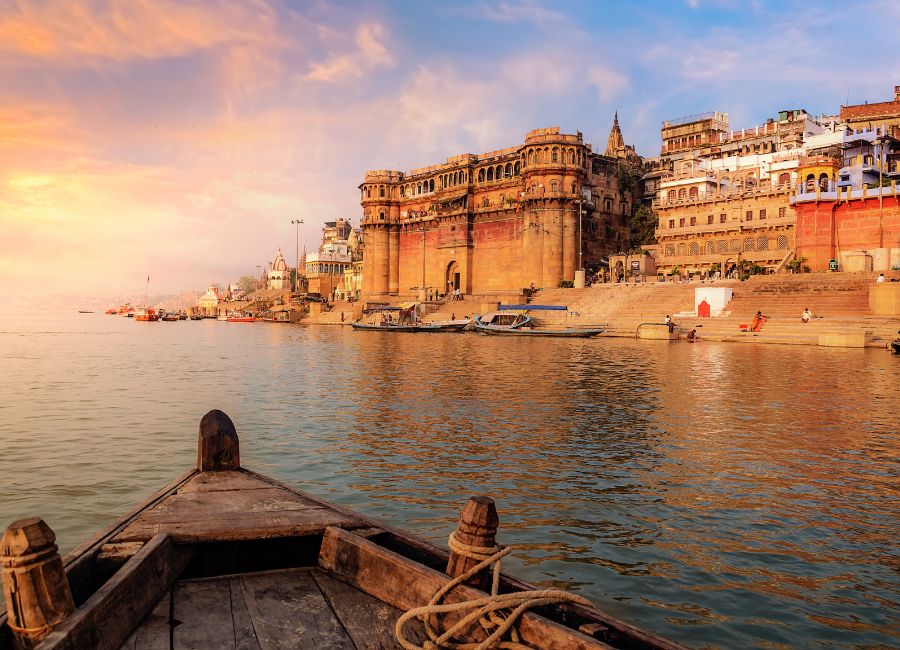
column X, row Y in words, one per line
column 722, row 495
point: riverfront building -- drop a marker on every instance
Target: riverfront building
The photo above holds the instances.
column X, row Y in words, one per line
column 497, row 222
column 278, row 275
column 724, row 196
column 325, row 268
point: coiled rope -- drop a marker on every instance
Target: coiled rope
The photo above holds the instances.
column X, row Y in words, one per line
column 488, row 611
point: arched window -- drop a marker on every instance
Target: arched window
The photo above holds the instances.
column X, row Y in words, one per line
column 811, row 183
column 782, row 242
column 607, row 204
column 734, row 246
column 571, row 156
column 574, row 189
column 784, row 179
column 682, row 249
column 670, row 250
column 498, row 174
column 670, row 195
column 722, row 246
column 762, row 244
column 368, row 192
column 694, row 248
column 381, row 215
column 490, row 174
column 481, row 175
column 381, row 191
column 431, row 185
column 402, row 191
column 456, row 178
column 693, row 192
column 508, row 170
column 516, row 169
column 724, row 184
column 554, row 186
column 463, row 177
column 823, row 182
column 418, row 188
column 502, row 200
column 710, row 248
column 531, row 156
column 554, row 156
column 682, row 193
column 485, row 202
column 539, row 157
column 749, row 245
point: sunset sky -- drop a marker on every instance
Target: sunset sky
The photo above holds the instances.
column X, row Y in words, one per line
column 179, row 139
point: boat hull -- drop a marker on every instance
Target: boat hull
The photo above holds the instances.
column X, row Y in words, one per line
column 566, row 333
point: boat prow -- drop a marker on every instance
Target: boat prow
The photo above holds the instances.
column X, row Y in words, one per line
column 226, row 557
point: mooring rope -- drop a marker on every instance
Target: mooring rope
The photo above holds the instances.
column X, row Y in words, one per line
column 488, row 611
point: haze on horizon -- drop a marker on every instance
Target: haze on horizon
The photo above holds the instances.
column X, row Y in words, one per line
column 179, row 139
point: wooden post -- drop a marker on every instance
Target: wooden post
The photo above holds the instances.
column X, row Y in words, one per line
column 35, row 587
column 477, row 526
column 218, row 447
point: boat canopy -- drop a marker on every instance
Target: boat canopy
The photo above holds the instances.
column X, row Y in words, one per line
column 533, row 307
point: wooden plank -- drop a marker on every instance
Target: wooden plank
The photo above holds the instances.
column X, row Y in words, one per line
column 289, row 611
column 405, row 584
column 153, row 632
column 110, row 615
column 244, row 634
column 367, row 620
column 253, row 526
column 226, row 480
column 202, row 615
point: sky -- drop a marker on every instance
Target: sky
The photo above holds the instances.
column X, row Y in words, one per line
column 179, row 139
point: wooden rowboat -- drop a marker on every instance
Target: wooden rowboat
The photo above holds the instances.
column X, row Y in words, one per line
column 224, row 557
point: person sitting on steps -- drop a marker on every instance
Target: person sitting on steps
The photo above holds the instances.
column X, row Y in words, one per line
column 806, row 315
column 758, row 321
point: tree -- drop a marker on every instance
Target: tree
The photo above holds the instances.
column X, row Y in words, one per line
column 247, row 283
column 643, row 227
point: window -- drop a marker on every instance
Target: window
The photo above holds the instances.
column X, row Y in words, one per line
column 490, row 174
column 681, row 193
column 782, row 242
column 554, row 157
column 670, row 250
column 693, row 221
column 722, row 218
column 574, row 189
column 784, row 179
column 671, row 195
column 710, row 248
column 481, row 175
column 381, row 191
column 681, row 223
column 671, row 223
column 554, row 186
column 734, row 246
column 762, row 244
column 748, row 216
column 682, row 249
column 381, row 216
column 694, row 248
column 709, row 219
column 749, row 245
column 693, row 192
column 722, row 246
column 485, row 202
column 762, row 214
column 781, row 212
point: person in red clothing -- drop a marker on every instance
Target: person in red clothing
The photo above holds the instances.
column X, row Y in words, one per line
column 758, row 321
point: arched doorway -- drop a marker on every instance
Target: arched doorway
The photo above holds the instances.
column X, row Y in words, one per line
column 453, row 277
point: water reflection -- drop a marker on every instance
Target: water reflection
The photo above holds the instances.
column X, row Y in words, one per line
column 723, row 495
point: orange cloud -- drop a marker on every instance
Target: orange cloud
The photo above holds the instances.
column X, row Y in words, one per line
column 125, row 30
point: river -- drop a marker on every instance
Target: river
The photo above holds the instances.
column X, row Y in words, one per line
column 723, row 495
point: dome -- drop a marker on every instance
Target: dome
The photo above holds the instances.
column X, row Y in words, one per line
column 279, row 264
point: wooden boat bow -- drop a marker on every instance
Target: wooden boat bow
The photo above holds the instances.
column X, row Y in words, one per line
column 226, row 557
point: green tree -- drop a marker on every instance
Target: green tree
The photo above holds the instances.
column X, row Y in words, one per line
column 643, row 227
column 247, row 283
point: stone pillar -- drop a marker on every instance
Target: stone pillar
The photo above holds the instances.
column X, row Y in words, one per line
column 379, row 260
column 393, row 235
column 532, row 252
column 553, row 246
column 570, row 242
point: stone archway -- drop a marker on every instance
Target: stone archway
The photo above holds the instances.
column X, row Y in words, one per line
column 453, row 279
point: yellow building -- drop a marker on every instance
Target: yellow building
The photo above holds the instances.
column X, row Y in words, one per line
column 719, row 216
column 497, row 222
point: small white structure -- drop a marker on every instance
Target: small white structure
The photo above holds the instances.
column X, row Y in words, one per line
column 716, row 299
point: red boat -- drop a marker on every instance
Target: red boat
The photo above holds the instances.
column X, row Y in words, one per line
column 241, row 319
column 147, row 315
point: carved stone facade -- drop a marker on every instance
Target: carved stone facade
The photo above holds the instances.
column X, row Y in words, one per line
column 496, row 222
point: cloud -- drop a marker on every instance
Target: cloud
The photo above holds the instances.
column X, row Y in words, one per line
column 528, row 11
column 125, row 30
column 370, row 54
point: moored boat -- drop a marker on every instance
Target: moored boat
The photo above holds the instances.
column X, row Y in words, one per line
column 512, row 320
column 146, row 314
column 502, row 321
column 226, row 557
column 241, row 319
column 170, row 317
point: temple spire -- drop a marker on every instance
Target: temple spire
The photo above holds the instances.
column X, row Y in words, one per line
column 616, row 142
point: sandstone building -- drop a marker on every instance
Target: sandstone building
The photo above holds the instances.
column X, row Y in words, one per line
column 496, row 222
column 724, row 196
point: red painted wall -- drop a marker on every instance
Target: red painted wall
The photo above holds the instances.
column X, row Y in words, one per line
column 856, row 225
